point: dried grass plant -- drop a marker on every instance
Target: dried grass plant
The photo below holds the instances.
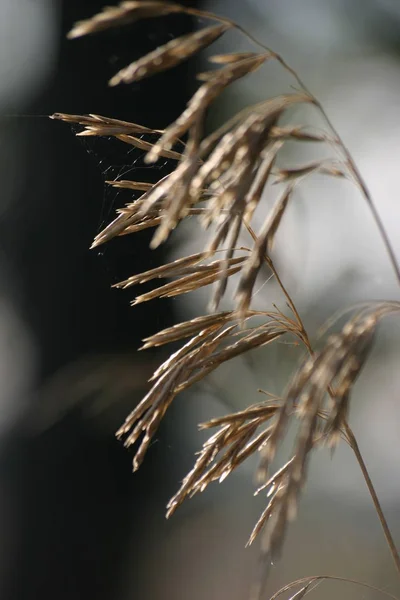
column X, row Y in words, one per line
column 221, row 178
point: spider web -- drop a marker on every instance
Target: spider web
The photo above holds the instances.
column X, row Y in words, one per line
column 117, row 161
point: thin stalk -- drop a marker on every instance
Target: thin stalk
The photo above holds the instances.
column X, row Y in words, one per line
column 269, row 262
column 389, row 538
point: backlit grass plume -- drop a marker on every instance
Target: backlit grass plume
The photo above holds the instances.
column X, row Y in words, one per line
column 220, row 179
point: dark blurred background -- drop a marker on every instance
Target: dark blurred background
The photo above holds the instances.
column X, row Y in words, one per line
column 70, row 506
column 74, row 521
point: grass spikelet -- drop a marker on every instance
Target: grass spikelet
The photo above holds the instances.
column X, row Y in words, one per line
column 201, row 100
column 169, row 55
column 131, row 185
column 225, row 450
column 197, row 277
column 132, row 215
column 125, row 13
column 285, row 175
column 215, row 344
column 263, row 243
column 97, row 125
column 226, row 59
column 187, row 328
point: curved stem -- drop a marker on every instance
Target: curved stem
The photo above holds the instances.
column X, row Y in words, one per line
column 389, row 539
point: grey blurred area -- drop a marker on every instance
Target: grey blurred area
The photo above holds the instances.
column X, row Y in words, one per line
column 73, row 517
column 75, row 521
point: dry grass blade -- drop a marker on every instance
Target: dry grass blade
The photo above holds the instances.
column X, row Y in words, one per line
column 204, row 337
column 226, row 59
column 150, row 411
column 248, row 339
column 202, row 276
column 264, row 410
column 272, row 512
column 260, row 181
column 172, row 269
column 201, row 345
column 229, row 134
column 262, row 336
column 126, row 13
column 134, row 218
column 232, row 166
column 146, row 417
column 131, row 185
column 128, row 217
column 264, row 241
column 259, row 108
column 169, row 55
column 240, row 446
column 225, row 450
column 187, row 328
column 147, row 146
column 231, row 201
column 210, row 347
column 285, row 175
column 202, row 99
column 155, row 221
column 176, row 201
column 276, row 478
column 138, row 225
column 169, row 195
column 177, row 193
column 102, row 126
column 296, row 132
column 276, row 217
column 96, row 125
